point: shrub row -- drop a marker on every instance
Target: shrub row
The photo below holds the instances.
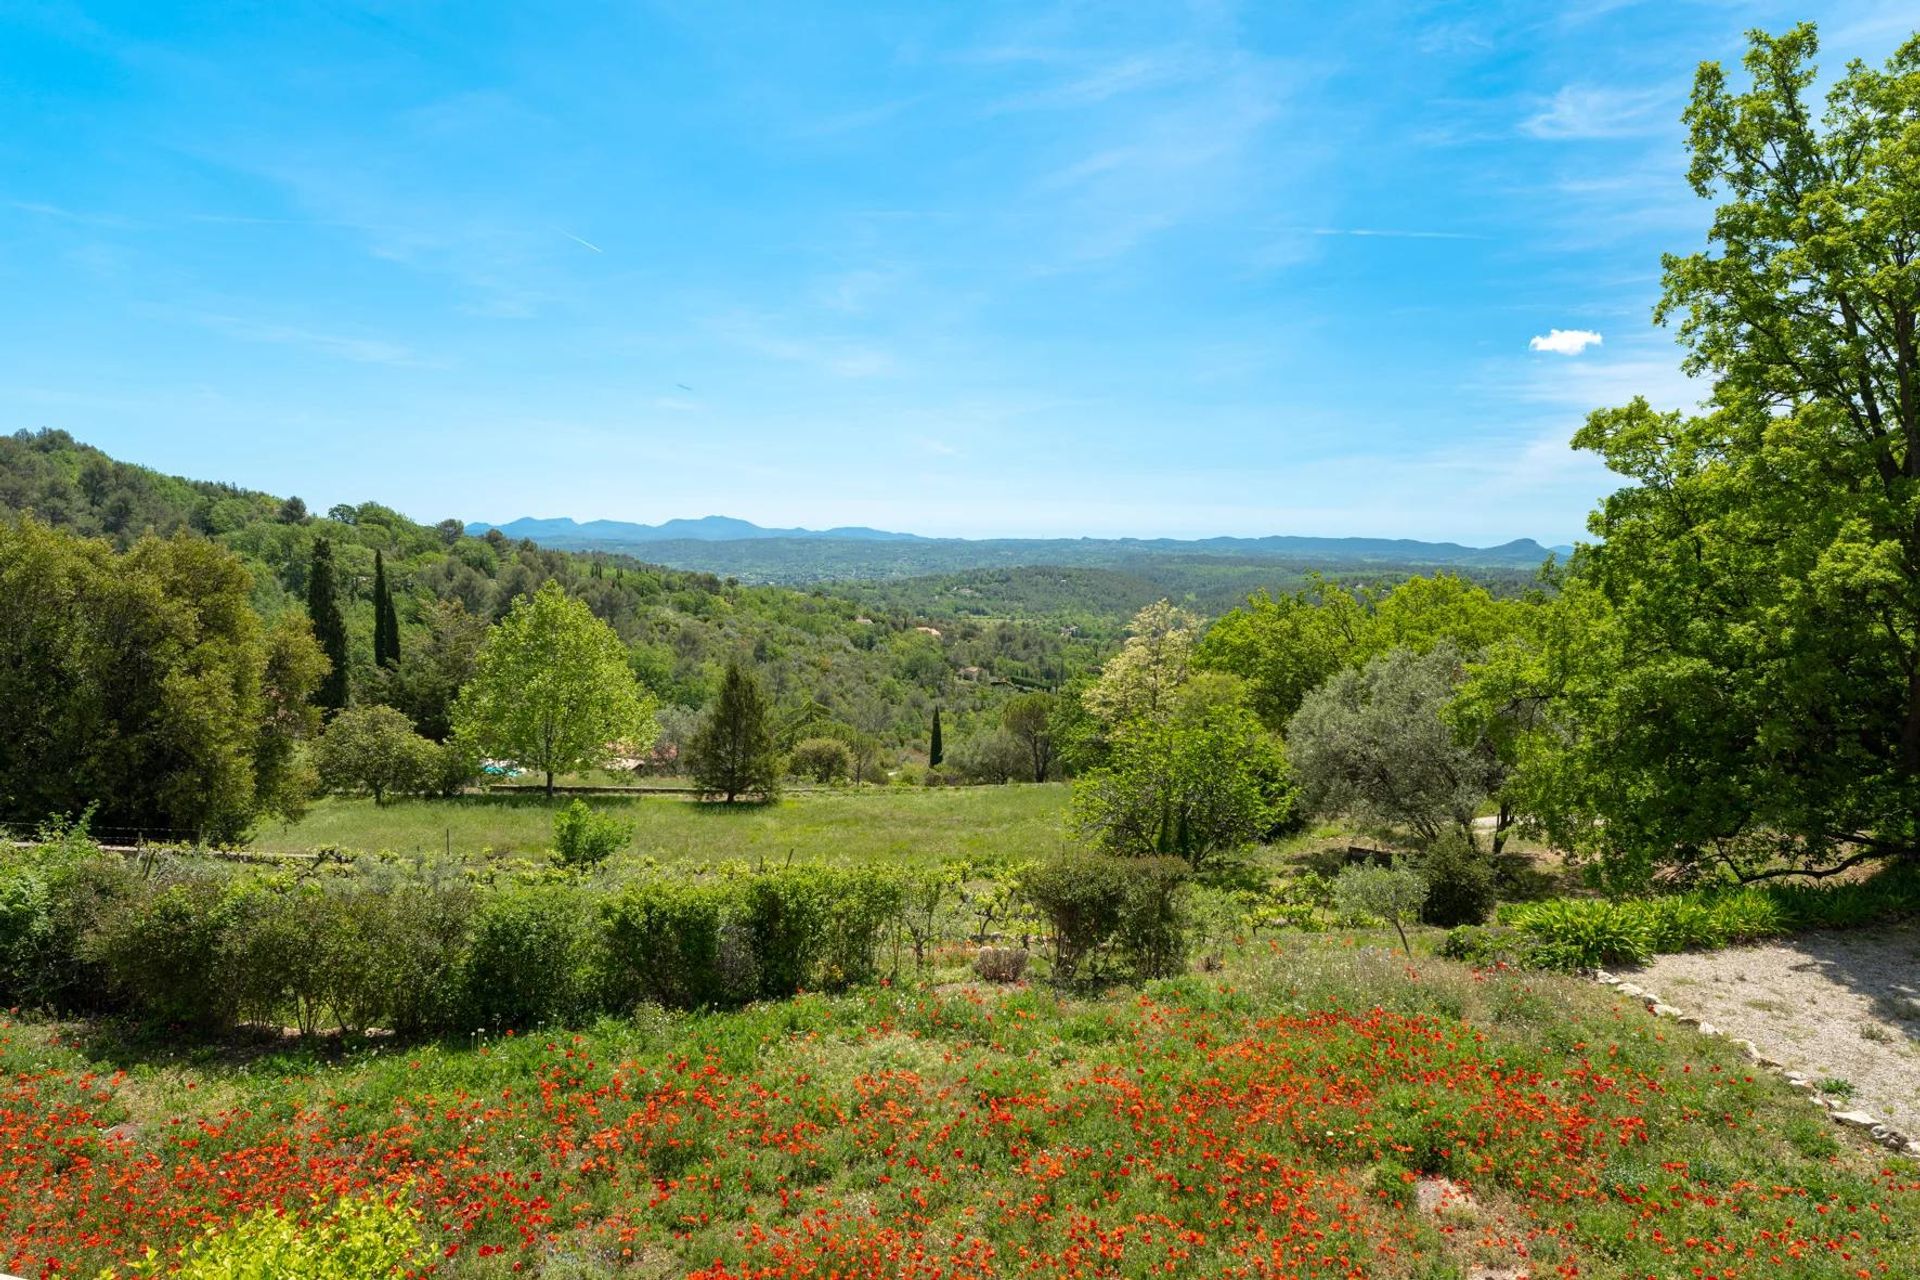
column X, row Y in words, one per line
column 419, row 948
column 1586, row 933
column 424, row 948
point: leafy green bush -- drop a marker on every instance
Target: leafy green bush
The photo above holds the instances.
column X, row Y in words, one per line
column 355, row 1240
column 529, row 959
column 1094, row 904
column 167, row 951
column 583, row 838
column 821, row 760
column 664, row 945
column 1486, row 945
column 1154, row 928
column 1460, row 882
column 1585, row 933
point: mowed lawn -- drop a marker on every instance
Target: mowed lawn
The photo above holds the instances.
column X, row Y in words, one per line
column 917, row 825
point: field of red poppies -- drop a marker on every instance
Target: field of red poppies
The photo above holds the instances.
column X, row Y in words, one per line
column 1279, row 1119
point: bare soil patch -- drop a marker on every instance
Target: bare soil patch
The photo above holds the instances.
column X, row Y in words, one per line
column 1837, row 1007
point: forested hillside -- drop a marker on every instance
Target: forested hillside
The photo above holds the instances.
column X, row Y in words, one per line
column 823, row 656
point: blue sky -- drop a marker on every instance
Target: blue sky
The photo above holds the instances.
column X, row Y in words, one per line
column 1023, row 269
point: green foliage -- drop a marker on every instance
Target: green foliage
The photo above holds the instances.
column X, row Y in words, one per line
column 1287, row 647
column 1392, row 894
column 584, row 838
column 1484, row 946
column 1204, row 779
column 1460, row 882
column 530, row 960
column 375, row 750
column 1094, row 904
column 1585, row 933
column 665, row 943
column 352, row 1240
column 733, row 753
column 329, row 628
column 1373, row 744
column 1029, row 719
column 552, row 690
column 138, row 682
column 821, row 760
column 386, row 620
column 1734, row 681
column 166, row 952
column 936, row 745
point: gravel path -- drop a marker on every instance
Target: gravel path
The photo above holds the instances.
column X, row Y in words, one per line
column 1835, row 1006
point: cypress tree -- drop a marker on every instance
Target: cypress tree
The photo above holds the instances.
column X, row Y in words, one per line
column 329, row 627
column 733, row 752
column 382, row 656
column 393, row 630
column 936, row 751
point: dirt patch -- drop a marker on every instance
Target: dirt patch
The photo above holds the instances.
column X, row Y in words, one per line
column 1843, row 1009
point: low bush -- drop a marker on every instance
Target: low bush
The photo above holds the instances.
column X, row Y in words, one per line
column 1098, row 906
column 584, row 838
column 530, row 959
column 1585, row 933
column 1484, row 946
column 821, row 760
column 1460, row 882
column 1000, row 964
column 353, row 1240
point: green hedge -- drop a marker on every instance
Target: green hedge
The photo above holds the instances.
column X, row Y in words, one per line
column 199, row 945
column 1586, row 933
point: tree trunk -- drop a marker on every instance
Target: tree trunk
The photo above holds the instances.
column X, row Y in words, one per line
column 549, row 784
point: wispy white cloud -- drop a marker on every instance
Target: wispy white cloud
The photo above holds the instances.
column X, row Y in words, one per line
column 1587, row 111
column 834, row 356
column 360, row 350
column 1387, row 233
column 1564, row 342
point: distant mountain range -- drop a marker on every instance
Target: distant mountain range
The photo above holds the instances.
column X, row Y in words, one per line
column 606, row 534
column 722, row 544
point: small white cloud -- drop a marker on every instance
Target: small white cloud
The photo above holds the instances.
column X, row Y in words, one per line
column 1580, row 111
column 1565, row 342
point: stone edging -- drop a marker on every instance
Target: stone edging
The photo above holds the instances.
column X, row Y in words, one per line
column 1881, row 1132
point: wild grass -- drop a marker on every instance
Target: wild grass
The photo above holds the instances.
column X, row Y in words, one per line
column 908, row 826
column 1270, row 1119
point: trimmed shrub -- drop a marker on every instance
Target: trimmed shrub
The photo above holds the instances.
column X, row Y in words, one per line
column 821, row 760
column 1096, row 903
column 528, row 960
column 664, row 944
column 1154, row 926
column 167, row 951
column 1460, row 882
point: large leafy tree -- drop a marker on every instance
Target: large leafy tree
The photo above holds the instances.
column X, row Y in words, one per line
column 1372, row 743
column 552, row 691
column 374, row 749
column 1202, row 778
column 145, row 684
column 1029, row 718
column 733, row 753
column 1743, row 690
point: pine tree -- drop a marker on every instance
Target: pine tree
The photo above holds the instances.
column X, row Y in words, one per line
column 936, row 750
column 383, row 654
column 329, row 627
column 733, row 752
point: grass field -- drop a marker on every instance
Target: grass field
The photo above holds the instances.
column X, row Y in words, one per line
column 910, row 825
column 1283, row 1118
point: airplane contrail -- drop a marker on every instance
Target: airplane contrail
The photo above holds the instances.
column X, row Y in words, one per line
column 584, row 243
